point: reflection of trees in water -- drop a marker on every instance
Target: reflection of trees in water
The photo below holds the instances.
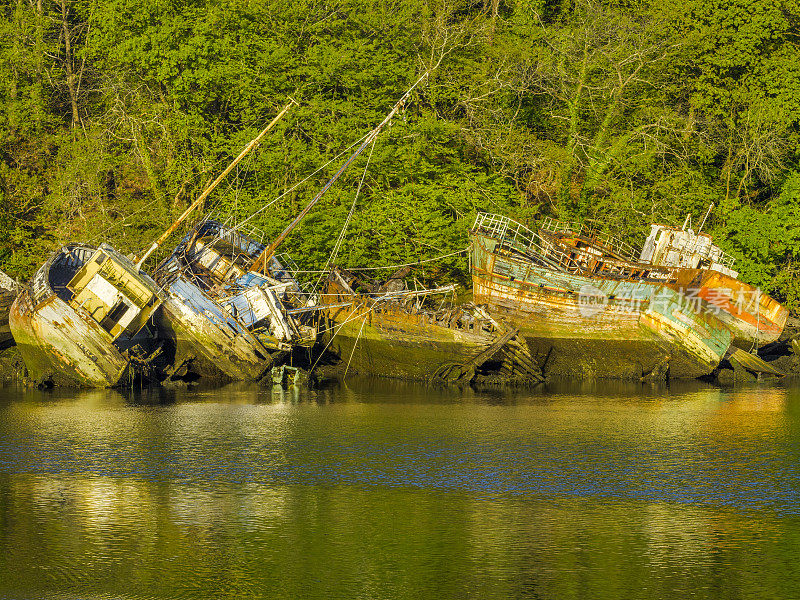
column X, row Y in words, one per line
column 373, row 491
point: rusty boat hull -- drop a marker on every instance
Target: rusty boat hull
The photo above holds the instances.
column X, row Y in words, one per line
column 225, row 321
column 390, row 342
column 754, row 318
column 67, row 336
column 46, row 337
column 594, row 327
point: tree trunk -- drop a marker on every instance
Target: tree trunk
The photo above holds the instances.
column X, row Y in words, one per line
column 565, row 193
column 73, row 94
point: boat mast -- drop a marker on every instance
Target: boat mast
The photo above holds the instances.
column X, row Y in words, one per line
column 263, row 259
column 253, row 143
column 703, row 222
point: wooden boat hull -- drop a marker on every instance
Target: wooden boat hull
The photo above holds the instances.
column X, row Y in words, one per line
column 218, row 345
column 6, row 299
column 83, row 320
column 753, row 317
column 396, row 344
column 631, row 330
column 58, row 343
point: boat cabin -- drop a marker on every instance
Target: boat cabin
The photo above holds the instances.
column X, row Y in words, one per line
column 676, row 247
column 111, row 290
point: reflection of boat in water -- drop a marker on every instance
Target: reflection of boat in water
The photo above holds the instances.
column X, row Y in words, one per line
column 83, row 320
column 587, row 307
column 224, row 319
column 387, row 330
column 8, row 291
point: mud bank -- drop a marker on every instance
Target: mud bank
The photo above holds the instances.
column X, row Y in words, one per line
column 12, row 369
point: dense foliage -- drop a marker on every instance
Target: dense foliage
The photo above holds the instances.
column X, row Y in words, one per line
column 117, row 113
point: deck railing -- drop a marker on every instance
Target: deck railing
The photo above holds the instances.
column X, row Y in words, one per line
column 611, row 242
column 518, row 237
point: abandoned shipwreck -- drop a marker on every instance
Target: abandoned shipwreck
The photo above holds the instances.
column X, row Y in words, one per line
column 224, row 319
column 386, row 329
column 83, row 320
column 592, row 308
column 560, row 300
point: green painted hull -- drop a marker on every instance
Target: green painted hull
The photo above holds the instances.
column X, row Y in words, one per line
column 631, row 330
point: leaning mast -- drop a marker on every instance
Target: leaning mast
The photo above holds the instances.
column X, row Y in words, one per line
column 253, row 143
column 264, row 258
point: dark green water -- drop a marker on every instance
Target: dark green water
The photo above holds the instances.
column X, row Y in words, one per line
column 380, row 490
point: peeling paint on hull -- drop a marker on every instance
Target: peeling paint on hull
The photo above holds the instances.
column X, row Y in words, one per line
column 56, row 342
column 219, row 346
column 753, row 317
column 82, row 321
column 622, row 339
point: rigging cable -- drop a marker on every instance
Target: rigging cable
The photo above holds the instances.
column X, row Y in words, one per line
column 338, row 245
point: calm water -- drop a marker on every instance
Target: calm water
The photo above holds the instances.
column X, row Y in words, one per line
column 380, row 490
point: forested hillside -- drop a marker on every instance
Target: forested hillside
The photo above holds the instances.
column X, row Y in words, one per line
column 117, row 114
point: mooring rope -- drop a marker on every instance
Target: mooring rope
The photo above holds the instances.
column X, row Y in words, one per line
column 338, row 245
column 336, row 329
column 355, row 344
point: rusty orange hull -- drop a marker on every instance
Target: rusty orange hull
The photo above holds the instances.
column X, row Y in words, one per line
column 753, row 317
column 587, row 327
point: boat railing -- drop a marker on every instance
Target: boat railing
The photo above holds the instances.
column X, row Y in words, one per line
column 555, row 226
column 231, row 226
column 611, row 242
column 518, row 237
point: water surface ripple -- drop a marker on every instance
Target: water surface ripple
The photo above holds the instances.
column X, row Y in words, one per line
column 385, row 490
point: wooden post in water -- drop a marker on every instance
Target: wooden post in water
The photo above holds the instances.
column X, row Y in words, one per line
column 253, row 143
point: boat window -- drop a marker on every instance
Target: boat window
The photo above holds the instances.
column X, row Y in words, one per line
column 114, row 315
